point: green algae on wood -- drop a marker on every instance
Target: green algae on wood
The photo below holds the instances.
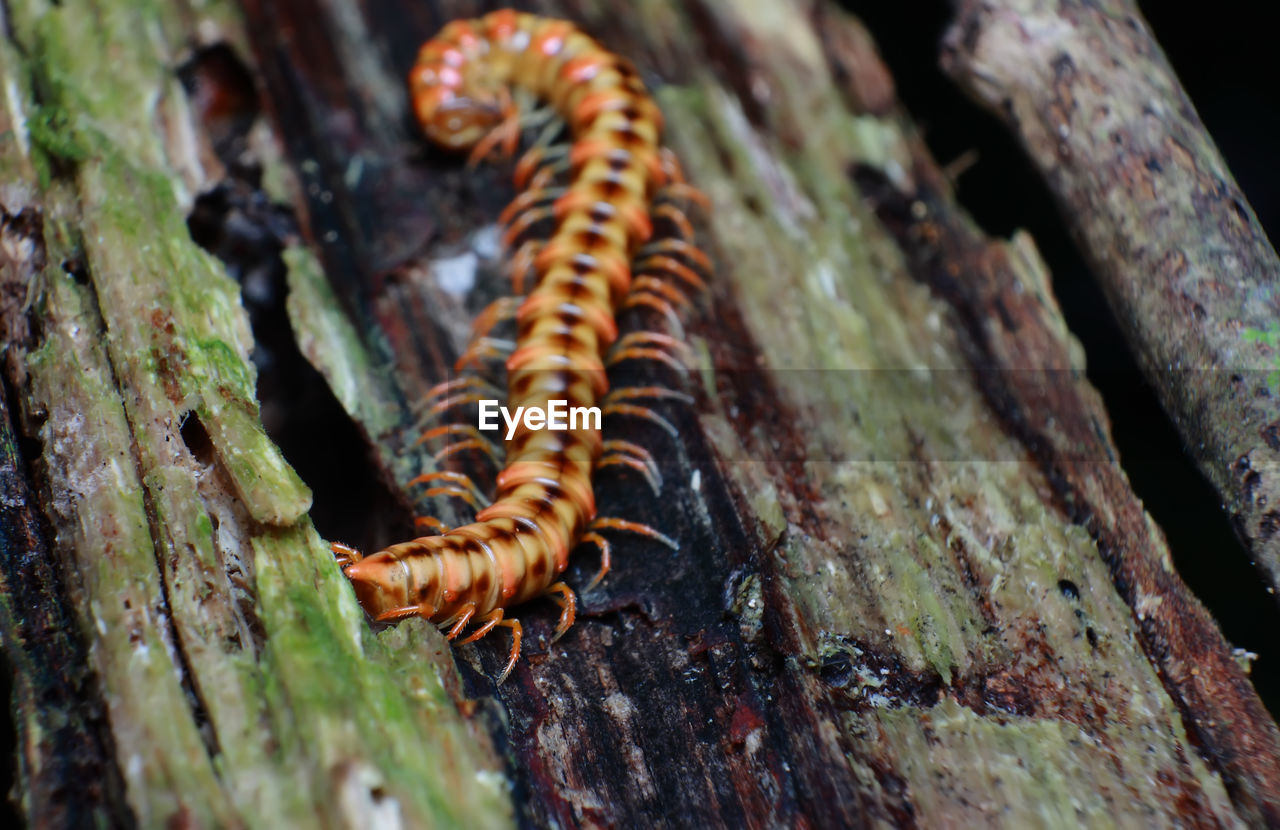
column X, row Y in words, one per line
column 117, row 588
column 333, row 345
column 169, row 343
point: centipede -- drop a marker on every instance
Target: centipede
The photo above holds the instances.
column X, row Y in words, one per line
column 602, row 190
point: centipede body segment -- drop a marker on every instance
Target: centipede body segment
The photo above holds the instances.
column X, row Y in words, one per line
column 582, row 275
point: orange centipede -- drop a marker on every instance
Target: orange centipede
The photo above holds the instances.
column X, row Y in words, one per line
column 598, row 259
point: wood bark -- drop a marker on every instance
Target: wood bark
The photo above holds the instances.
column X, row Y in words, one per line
column 913, row 586
column 1189, row 272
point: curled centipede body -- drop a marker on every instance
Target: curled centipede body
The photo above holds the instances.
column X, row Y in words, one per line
column 544, row 506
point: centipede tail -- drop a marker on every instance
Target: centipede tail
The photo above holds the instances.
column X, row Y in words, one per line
column 602, row 193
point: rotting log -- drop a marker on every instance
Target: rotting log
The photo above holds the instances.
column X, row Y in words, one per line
column 1185, row 265
column 913, row 585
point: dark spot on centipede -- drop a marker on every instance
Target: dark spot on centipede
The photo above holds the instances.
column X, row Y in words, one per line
column 610, row 188
column 620, row 161
column 483, row 582
column 631, row 112
column 601, row 212
column 539, row 567
column 627, row 136
column 520, row 385
column 591, row 238
column 1069, row 589
column 1092, row 637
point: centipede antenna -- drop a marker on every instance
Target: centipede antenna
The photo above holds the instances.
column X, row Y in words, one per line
column 345, row 555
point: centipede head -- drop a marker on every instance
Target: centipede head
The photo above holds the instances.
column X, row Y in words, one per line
column 382, row 586
column 461, row 122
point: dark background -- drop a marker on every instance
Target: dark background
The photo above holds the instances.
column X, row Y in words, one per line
column 1224, row 55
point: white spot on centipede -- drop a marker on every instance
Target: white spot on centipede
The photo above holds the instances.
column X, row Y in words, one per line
column 457, row 274
column 519, row 41
column 695, row 481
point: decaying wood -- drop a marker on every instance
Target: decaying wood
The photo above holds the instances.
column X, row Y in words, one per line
column 913, row 585
column 1185, row 265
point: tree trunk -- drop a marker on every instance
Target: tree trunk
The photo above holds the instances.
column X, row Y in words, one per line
column 1187, row 268
column 913, row 585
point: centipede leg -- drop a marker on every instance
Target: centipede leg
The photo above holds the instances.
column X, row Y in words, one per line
column 634, row 527
column 487, row 624
column 460, row 621
column 633, row 393
column 522, row 265
column 539, row 165
column 475, row 440
column 649, row 345
column 655, row 261
column 517, row 634
column 525, row 221
column 671, row 165
column 649, row 283
column 634, row 456
column 397, row 614
column 495, row 313
column 687, row 192
column 636, row 299
column 447, row 393
column 430, row 523
column 562, row 595
column 505, row 135
column 606, row 556
column 640, row 412
column 677, row 218
column 482, row 349
column 527, row 200
column 459, row 485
